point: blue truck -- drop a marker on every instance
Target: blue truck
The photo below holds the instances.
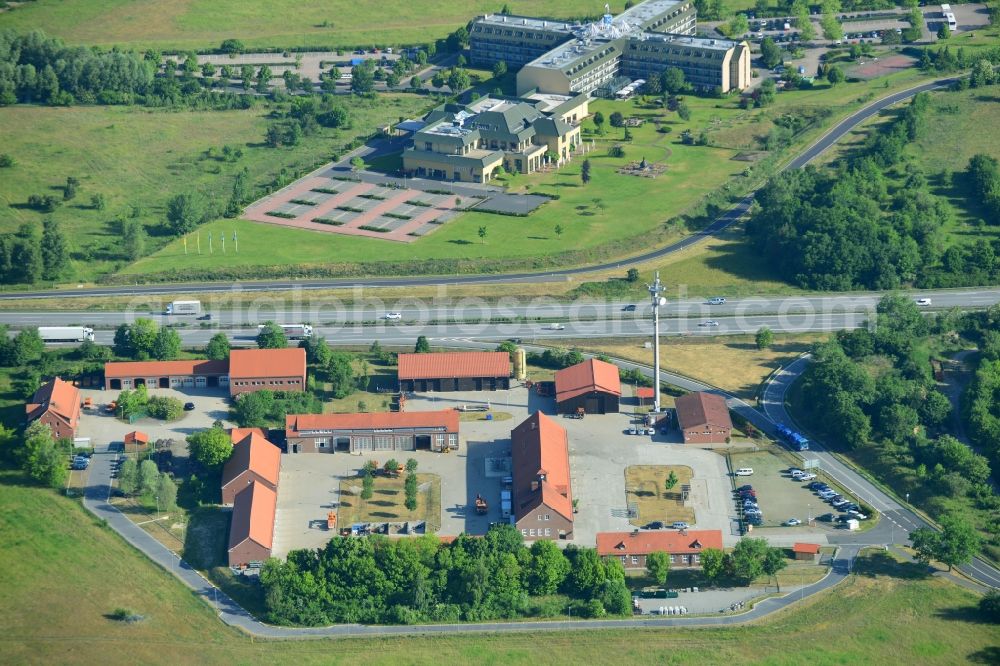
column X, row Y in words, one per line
column 794, row 439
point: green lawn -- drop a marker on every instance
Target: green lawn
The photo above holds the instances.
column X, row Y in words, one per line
column 64, row 573
column 183, row 24
column 137, row 156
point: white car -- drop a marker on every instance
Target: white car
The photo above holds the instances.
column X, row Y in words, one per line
column 792, row 522
column 392, row 316
column 806, row 476
column 710, row 322
column 795, row 471
column 744, row 471
column 716, row 300
column 556, row 327
column 923, row 302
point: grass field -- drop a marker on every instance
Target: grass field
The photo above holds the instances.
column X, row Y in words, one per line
column 136, row 156
column 185, row 24
column 386, row 505
column 645, row 487
column 64, row 573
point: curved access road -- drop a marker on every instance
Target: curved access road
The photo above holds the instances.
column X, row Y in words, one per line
column 900, row 518
column 722, row 222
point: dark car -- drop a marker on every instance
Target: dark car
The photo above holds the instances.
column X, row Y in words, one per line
column 205, row 317
column 826, row 518
column 655, row 525
column 742, row 488
column 816, row 485
column 188, row 406
column 629, row 308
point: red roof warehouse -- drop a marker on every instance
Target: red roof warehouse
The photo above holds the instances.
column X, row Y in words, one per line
column 254, row 459
column 543, row 500
column 592, row 385
column 632, row 548
column 57, row 404
column 703, row 418
column 274, row 369
column 376, row 431
column 454, row 371
column 251, row 528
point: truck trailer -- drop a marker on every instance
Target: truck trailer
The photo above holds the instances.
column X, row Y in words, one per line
column 65, row 333
column 183, row 308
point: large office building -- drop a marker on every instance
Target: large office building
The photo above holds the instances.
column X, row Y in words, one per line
column 562, row 58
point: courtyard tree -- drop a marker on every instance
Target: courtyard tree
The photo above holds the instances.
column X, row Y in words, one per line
column 774, row 561
column 218, row 347
column 340, row 373
column 499, row 69
column 251, row 410
column 764, row 337
column 671, row 481
column 616, row 119
column 271, row 336
column 149, row 477
column 128, row 477
column 658, row 566
column 748, row 558
column 411, row 465
column 599, row 122
column 713, row 563
column 211, row 447
column 458, row 80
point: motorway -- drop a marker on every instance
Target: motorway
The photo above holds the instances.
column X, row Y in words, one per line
column 722, row 222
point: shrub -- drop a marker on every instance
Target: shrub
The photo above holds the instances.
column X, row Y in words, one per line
column 303, row 202
column 165, row 408
column 278, row 213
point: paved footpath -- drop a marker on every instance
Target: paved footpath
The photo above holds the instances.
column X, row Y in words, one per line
column 96, row 500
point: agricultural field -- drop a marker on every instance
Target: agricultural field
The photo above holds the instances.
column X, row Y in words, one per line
column 201, row 24
column 139, row 157
column 56, row 611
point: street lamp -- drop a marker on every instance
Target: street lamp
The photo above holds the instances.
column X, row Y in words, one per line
column 655, row 290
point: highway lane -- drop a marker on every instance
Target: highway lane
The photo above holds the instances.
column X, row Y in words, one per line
column 372, row 309
column 722, row 222
column 901, row 519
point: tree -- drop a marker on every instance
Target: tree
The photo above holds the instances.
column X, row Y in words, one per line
column 632, row 275
column 207, row 70
column 712, row 563
column 832, row 29
column 683, row 111
column 983, row 74
column 411, row 465
column 943, row 32
column 167, row 346
column 363, row 78
column 70, row 188
column 599, row 122
column 499, row 69
column 416, row 82
column 585, row 171
column 959, row 541
column 98, row 201
column 738, row 26
column 263, row 78
column 559, row 230
column 482, row 234
column 546, row 569
column 658, row 566
column 184, row 213
column 211, row 447
column 989, row 606
column 616, row 119
column 7, row 161
column 458, row 80
column 253, row 409
column 232, row 46
column 764, row 337
column 802, row 21
column 142, row 336
column 774, row 561
column 27, row 347
column 340, row 374
column 218, row 347
column 55, row 251
column 357, row 163
column 149, row 477
column 835, row 75
column 367, row 486
column 422, row 346
column 128, row 477
column 271, row 336
column 133, row 239
column 43, row 461
column 748, row 558
column 770, row 53
column 926, row 544
column 671, row 481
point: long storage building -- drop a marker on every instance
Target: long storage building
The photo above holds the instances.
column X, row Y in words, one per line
column 542, row 497
column 454, row 371
column 375, row 431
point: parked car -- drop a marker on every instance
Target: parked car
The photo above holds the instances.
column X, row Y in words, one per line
column 188, row 406
column 854, row 513
column 744, row 471
column 795, row 471
column 838, row 503
column 826, row 518
column 817, row 485
column 392, row 316
column 710, row 322
column 655, row 525
column 792, row 522
column 806, row 476
column 746, row 487
column 680, row 525
column 633, row 429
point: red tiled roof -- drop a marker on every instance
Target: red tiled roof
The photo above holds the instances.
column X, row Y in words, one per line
column 59, row 397
column 256, row 454
column 137, row 436
column 540, row 448
column 454, row 364
column 165, row 368
column 644, row 392
column 247, row 363
column 644, row 542
column 237, row 434
column 810, row 548
column 700, row 409
column 446, row 418
column 253, row 516
column 591, row 375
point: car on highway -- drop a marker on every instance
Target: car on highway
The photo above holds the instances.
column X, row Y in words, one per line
column 629, row 308
column 924, row 302
column 792, row 522
column 205, row 317
column 392, row 316
column 655, row 525
column 555, row 327
column 716, row 300
column 710, row 322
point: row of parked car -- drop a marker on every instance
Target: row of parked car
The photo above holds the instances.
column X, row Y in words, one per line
column 837, row 501
column 746, row 500
column 80, row 462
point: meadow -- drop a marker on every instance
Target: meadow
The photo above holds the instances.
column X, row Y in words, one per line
column 65, row 573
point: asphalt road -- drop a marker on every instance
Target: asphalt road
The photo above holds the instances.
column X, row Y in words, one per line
column 726, row 219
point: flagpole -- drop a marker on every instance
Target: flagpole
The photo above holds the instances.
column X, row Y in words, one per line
column 236, row 242
column 199, row 242
column 210, row 242
column 185, row 244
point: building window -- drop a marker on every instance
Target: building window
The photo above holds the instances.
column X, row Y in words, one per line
column 548, row 532
column 635, row 559
column 524, row 533
column 531, row 532
column 548, row 516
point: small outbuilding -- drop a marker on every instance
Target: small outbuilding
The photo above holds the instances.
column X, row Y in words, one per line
column 136, row 441
column 806, row 551
column 703, row 418
column 454, row 371
column 593, row 386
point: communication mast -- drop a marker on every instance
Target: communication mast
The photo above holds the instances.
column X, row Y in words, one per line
column 655, row 290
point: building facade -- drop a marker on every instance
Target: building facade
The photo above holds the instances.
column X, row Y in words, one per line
column 542, row 497
column 272, row 369
column 703, row 418
column 57, row 405
column 251, row 525
column 632, row 548
column 376, row 431
column 454, row 371
column 592, row 386
column 515, row 40
column 165, row 374
column 254, row 460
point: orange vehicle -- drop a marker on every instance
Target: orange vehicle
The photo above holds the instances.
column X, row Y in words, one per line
column 481, row 506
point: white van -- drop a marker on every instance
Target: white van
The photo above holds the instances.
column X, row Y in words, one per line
column 744, row 471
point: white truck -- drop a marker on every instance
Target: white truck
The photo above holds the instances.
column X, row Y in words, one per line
column 183, row 308
column 292, row 331
column 65, row 333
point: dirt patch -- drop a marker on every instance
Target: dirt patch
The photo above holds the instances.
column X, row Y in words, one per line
column 645, row 488
column 871, row 69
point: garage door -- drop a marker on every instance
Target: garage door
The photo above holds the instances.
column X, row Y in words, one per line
column 175, row 382
column 200, row 382
column 224, row 380
column 384, row 443
column 189, row 381
column 362, row 443
column 404, row 443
